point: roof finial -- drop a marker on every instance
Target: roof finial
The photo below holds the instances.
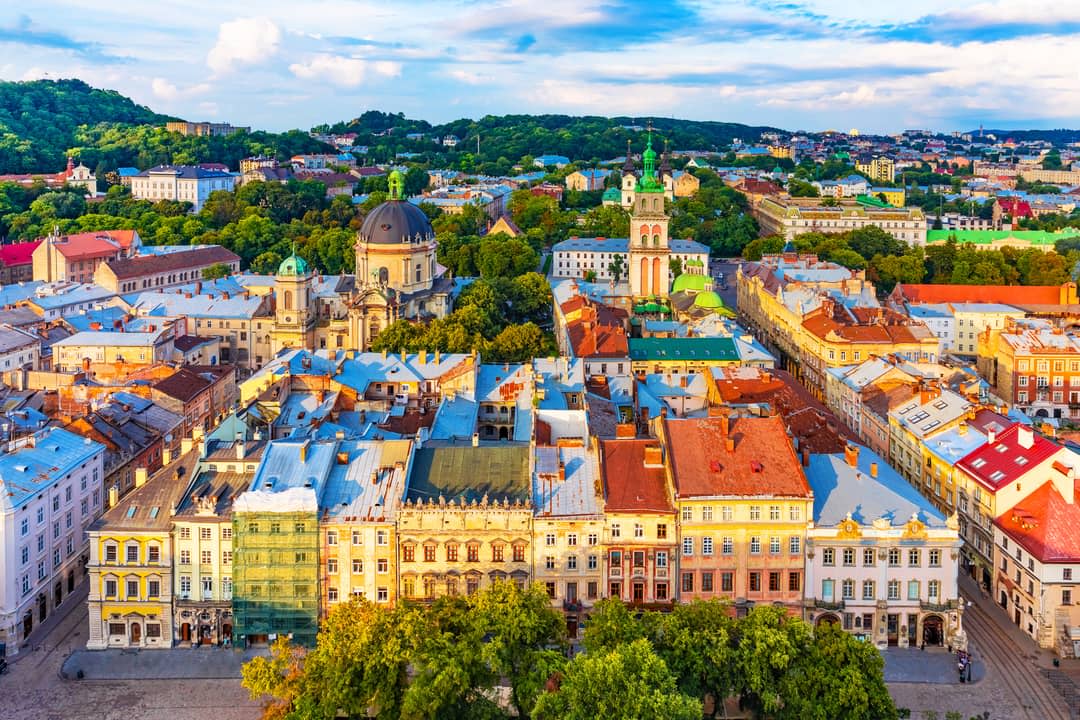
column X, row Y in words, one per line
column 396, row 184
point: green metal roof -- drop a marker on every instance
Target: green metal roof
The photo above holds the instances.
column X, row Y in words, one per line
column 464, row 471
column 294, row 265
column 691, row 281
column 871, row 201
column 708, row 300
column 612, row 194
column 986, row 237
column 708, row 349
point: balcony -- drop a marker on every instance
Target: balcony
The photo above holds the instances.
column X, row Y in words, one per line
column 826, row 605
column 938, row 607
column 573, row 605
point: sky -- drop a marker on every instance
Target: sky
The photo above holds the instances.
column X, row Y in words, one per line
column 819, row 64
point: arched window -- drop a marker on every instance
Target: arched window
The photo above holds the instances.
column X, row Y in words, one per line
column 288, row 299
column 656, row 240
column 644, row 239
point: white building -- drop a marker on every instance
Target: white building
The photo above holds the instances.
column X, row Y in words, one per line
column 881, row 560
column 19, row 349
column 183, row 183
column 50, row 492
column 575, row 257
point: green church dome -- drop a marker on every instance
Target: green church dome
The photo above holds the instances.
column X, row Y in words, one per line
column 612, row 194
column 708, row 300
column 690, row 282
column 294, row 265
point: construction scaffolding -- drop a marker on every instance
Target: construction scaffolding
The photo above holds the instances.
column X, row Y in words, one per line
column 275, row 577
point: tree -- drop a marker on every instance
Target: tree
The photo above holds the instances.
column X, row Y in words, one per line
column 769, row 245
column 518, row 343
column 608, row 221
column 836, row 676
column 675, row 267
column 801, row 188
column 767, row 646
column 611, row 625
column 55, row 205
column 524, row 638
column 277, row 678
column 215, row 271
column 695, row 641
column 627, row 682
column 616, row 267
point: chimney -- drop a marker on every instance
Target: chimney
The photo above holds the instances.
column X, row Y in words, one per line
column 114, row 495
column 1025, row 437
column 729, row 443
column 241, row 449
column 224, row 296
column 725, row 425
column 202, row 447
column 303, row 451
column 653, row 456
column 873, row 469
column 186, row 445
column 682, row 381
column 166, row 455
column 851, row 455
column 476, row 439
column 140, row 477
column 804, row 456
column 562, row 470
column 198, row 287
column 991, row 436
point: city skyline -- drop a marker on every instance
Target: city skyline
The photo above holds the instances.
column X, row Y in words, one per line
column 799, row 66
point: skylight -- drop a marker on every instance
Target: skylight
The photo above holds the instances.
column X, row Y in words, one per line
column 1021, row 461
column 131, row 511
column 978, row 462
column 153, row 512
column 997, row 475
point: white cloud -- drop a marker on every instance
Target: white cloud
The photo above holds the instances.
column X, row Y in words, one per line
column 168, row 92
column 342, row 70
column 244, row 41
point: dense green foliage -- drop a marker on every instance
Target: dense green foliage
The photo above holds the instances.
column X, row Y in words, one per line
column 888, row 261
column 43, row 121
column 504, row 139
column 448, row 659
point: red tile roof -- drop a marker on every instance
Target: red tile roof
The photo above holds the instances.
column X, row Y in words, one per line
column 629, row 484
column 760, row 461
column 862, row 324
column 137, row 267
column 1008, row 294
column 18, row 253
column 1013, row 453
column 804, row 415
column 1045, row 524
column 1015, row 206
column 102, row 243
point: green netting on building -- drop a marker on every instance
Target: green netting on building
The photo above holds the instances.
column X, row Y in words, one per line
column 275, row 576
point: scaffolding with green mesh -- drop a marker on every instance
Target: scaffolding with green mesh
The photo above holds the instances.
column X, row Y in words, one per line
column 275, row 577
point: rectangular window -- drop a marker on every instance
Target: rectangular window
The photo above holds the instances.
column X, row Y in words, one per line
column 382, row 566
column 331, row 537
column 868, row 557
column 132, row 589
column 726, row 513
column 357, row 537
column 661, row 531
column 571, row 539
column 110, row 553
column 381, row 537
column 755, row 545
column 429, row 553
column 706, row 514
column 110, row 588
column 794, row 581
column 473, row 550
column 755, row 512
column 849, row 557
column 727, row 582
column 452, row 552
column 894, row 557
column 185, row 557
column 827, row 590
column 688, row 582
column 661, row 559
column 132, row 553
column 331, row 566
column 755, row 581
column 828, row 556
column 357, row 567
column 913, row 590
column 933, row 590
column 205, row 557
column 687, row 514
column 153, row 588
column 935, row 558
column 914, row 557
column 774, row 581
column 639, row 530
column 774, row 512
column 868, row 590
column 707, row 546
column 727, row 546
column 688, row 546
column 549, row 539
column 774, row 545
column 794, row 545
column 706, row 582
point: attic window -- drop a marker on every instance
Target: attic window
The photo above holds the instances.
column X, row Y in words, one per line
column 756, row 467
column 1002, row 448
column 154, row 512
column 131, row 511
column 978, row 462
column 997, row 475
column 941, row 404
column 1021, row 461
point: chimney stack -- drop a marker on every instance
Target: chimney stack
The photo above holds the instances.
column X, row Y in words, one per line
column 805, row 456
column 873, row 469
column 140, row 476
column 729, row 443
column 114, row 495
column 851, row 455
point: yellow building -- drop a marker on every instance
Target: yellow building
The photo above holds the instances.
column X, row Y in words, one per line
column 742, row 503
column 466, row 520
column 894, row 196
column 781, row 151
column 203, row 536
column 356, row 518
column 102, row 351
column 879, row 169
column 568, row 524
column 130, row 599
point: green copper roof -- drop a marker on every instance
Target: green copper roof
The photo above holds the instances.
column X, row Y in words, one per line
column 705, row 349
column 612, row 194
column 396, row 182
column 649, row 182
column 986, row 237
column 708, row 300
column 293, row 266
column 691, row 282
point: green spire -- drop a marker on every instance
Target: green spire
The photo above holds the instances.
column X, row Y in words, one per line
column 396, row 181
column 649, row 181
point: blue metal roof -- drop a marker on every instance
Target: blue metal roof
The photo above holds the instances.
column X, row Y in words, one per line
column 29, row 470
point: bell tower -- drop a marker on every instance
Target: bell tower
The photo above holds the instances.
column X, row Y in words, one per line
column 294, row 312
column 650, row 253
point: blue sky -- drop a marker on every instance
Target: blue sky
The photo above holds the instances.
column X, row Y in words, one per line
column 814, row 65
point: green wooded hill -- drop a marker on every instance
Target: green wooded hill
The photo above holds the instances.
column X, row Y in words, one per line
column 42, row 121
column 39, row 120
column 515, row 136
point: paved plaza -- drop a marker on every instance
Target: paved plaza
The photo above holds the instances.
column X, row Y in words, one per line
column 931, row 666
